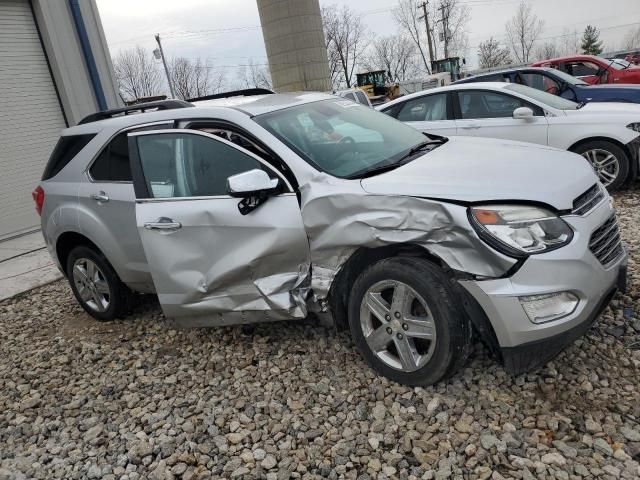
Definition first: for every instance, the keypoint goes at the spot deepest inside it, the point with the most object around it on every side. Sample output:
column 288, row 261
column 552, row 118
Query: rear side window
column 66, row 149
column 112, row 165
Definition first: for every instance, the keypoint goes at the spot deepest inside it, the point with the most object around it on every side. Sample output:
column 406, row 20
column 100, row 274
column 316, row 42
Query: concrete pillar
column 294, row 39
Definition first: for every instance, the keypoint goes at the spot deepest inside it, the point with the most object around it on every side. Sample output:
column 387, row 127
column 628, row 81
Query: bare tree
column 492, row 54
column 396, row 54
column 547, row 51
column 523, row 30
column 407, row 17
column 568, row 43
column 254, row 75
column 328, row 24
column 193, row 79
column 455, row 15
column 631, row 39
column 345, row 34
column 137, row 74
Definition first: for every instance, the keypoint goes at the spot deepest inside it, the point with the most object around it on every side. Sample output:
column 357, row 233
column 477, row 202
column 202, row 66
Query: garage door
column 30, row 116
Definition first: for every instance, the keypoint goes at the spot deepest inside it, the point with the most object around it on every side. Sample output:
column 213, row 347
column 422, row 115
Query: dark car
column 562, row 84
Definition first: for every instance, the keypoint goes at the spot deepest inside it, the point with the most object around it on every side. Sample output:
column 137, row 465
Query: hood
column 469, row 169
column 608, row 108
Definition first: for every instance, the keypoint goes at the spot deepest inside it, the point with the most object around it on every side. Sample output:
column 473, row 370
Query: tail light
column 38, row 197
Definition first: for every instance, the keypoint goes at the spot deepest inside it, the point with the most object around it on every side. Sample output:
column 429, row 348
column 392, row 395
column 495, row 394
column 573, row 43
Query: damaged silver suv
column 270, row 207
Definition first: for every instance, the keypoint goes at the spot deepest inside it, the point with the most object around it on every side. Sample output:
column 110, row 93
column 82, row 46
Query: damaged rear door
column 210, row 263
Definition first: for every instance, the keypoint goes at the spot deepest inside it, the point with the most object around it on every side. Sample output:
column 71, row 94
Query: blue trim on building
column 88, row 54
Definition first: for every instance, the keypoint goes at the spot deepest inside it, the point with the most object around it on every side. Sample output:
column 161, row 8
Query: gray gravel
column 136, row 399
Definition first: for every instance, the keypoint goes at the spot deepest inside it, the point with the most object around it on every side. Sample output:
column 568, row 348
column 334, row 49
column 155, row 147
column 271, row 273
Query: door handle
column 100, row 197
column 472, row 126
column 163, row 223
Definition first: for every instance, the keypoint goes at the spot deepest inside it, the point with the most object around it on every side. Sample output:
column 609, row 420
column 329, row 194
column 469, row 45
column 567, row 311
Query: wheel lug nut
column 399, row 335
column 397, row 314
column 389, row 331
column 387, row 317
column 405, row 326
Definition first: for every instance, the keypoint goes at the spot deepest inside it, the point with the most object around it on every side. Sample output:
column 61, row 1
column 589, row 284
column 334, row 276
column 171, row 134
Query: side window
column 541, row 82
column 112, row 165
column 583, row 69
column 190, row 165
column 424, row 109
column 362, row 98
column 66, row 149
column 479, row 104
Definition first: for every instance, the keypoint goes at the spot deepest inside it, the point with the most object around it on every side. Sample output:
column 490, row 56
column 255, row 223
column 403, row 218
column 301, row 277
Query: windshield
column 565, row 77
column 619, row 64
column 543, row 97
column 341, row 137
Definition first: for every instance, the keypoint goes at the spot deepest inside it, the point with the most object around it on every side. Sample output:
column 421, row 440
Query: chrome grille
column 587, row 200
column 605, row 242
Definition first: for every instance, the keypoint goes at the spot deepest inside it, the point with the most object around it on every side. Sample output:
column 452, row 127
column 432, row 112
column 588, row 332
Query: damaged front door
column 210, row 263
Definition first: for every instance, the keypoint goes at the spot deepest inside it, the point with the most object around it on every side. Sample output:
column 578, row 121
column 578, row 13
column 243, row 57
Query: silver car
column 271, row 207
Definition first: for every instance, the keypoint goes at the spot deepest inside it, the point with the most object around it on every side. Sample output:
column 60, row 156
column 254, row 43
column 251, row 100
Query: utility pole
column 164, row 62
column 445, row 26
column 426, row 23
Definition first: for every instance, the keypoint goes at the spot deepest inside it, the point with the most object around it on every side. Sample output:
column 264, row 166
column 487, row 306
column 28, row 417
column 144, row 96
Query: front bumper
column 525, row 345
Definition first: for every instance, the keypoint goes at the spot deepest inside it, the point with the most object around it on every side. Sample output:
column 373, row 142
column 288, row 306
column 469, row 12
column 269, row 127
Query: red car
column 593, row 69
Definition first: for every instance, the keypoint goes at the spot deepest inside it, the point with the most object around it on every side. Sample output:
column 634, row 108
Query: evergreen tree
column 591, row 43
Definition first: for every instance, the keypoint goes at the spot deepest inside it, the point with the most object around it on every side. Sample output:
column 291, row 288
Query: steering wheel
column 348, row 140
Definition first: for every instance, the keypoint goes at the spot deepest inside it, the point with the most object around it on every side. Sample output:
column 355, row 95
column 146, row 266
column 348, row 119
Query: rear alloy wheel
column 405, row 321
column 91, row 284
column 96, row 284
column 609, row 161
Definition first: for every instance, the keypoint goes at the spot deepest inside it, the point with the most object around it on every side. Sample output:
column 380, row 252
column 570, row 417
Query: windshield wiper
column 580, row 105
column 406, row 158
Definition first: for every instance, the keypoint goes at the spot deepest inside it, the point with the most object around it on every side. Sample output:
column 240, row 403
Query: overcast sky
column 226, row 32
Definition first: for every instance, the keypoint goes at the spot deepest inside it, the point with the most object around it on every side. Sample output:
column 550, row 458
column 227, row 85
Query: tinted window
column 362, row 98
column 112, row 165
column 478, row 104
column 541, row 82
column 184, row 165
column 66, row 149
column 424, row 109
column 582, row 69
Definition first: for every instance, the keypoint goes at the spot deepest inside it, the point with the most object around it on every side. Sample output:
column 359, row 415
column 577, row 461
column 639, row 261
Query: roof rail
column 139, row 108
column 247, row 92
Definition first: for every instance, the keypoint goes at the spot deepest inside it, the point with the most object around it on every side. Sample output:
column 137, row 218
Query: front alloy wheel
column 605, row 164
column 609, row 160
column 398, row 325
column 406, row 320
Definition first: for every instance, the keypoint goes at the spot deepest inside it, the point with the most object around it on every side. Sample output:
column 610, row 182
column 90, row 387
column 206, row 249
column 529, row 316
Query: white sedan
column 606, row 134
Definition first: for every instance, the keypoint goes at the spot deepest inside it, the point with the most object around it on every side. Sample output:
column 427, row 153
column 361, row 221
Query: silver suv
column 270, row 207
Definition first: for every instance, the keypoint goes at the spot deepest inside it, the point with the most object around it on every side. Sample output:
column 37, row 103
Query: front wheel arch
column 633, row 161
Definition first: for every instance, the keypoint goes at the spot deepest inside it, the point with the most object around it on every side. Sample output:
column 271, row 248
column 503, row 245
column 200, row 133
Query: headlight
column 520, row 230
column 634, row 126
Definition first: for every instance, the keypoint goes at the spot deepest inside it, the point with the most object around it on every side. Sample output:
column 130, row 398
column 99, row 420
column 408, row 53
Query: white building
column 54, row 69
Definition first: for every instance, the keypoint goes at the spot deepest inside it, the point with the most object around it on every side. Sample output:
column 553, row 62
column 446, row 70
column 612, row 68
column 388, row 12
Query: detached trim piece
column 139, row 108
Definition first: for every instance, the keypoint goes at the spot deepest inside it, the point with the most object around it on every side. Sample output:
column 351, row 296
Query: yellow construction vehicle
column 374, row 84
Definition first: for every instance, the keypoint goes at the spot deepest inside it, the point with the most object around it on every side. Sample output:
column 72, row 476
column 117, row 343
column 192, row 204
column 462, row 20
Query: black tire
column 619, row 153
column 453, row 329
column 120, row 296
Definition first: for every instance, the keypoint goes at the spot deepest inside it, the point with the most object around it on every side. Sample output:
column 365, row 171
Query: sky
column 226, row 33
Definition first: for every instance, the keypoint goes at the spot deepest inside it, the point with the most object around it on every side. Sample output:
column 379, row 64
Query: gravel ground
column 136, row 399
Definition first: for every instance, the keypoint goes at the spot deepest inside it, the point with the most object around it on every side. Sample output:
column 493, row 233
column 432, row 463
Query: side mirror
column 523, row 113
column 251, row 184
